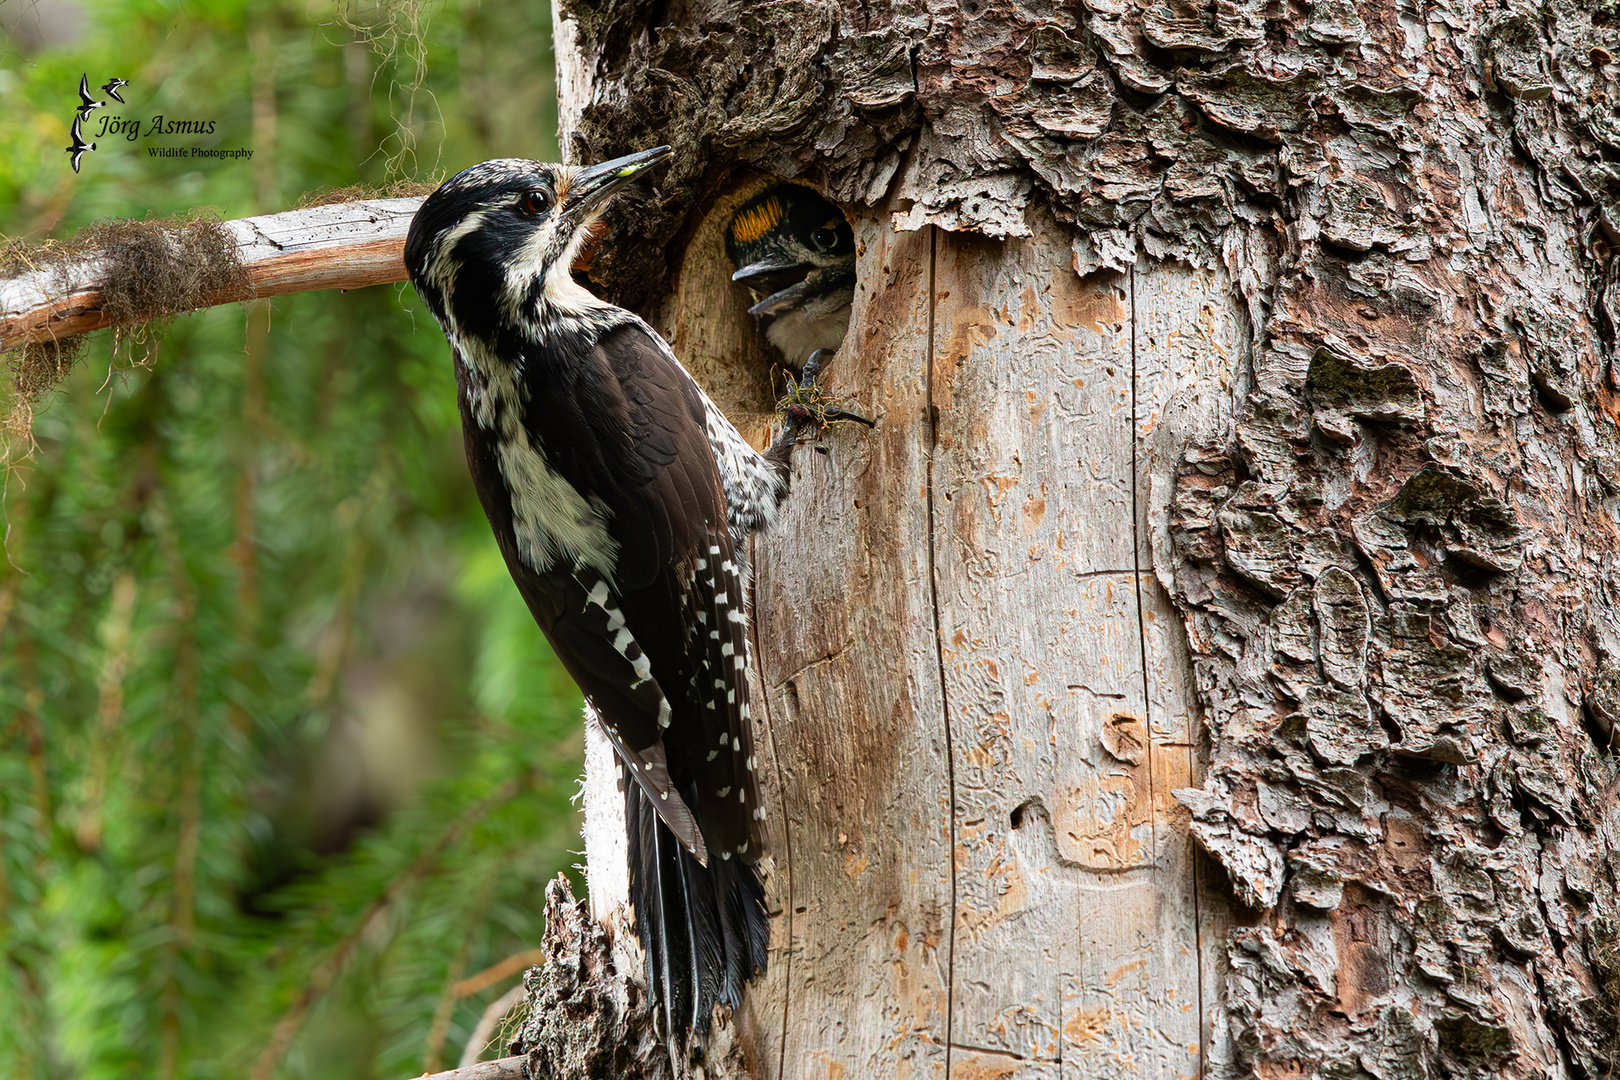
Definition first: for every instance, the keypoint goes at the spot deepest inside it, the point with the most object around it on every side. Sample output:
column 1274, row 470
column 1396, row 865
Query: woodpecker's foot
column 805, row 407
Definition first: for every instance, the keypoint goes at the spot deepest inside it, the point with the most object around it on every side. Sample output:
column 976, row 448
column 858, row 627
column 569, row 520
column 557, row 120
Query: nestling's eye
column 535, row 202
column 825, row 238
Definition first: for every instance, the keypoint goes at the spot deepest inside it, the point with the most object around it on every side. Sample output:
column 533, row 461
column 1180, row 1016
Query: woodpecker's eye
column 825, row 238
column 535, row 202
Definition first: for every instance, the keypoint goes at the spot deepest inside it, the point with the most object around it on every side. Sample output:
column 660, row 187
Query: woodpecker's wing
column 591, row 639
column 676, row 580
column 580, row 616
column 680, row 590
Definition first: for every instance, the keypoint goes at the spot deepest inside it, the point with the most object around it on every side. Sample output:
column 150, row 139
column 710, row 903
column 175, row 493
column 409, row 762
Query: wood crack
column 817, row 662
column 939, row 637
column 786, row 954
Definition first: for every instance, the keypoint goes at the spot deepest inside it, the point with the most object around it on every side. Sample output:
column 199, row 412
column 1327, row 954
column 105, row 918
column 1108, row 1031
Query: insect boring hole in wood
column 791, row 270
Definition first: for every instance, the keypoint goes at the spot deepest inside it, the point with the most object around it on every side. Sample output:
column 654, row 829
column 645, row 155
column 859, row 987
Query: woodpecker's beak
column 802, row 282
column 592, row 187
column 772, row 275
column 784, row 300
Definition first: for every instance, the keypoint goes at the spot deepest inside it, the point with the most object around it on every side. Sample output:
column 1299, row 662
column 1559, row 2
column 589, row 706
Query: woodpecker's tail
column 704, row 930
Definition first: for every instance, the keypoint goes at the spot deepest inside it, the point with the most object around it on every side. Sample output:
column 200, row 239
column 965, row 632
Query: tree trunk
column 1208, row 666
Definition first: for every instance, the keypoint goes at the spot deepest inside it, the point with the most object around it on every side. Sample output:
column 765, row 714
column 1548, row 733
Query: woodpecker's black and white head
column 796, row 253
column 491, row 250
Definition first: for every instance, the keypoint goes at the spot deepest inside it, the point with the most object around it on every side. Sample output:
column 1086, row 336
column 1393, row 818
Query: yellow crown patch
column 754, row 223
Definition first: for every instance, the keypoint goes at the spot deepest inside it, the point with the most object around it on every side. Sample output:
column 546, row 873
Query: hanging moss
column 149, row 272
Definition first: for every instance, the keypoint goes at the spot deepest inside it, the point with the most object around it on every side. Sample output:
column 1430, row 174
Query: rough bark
column 1287, row 369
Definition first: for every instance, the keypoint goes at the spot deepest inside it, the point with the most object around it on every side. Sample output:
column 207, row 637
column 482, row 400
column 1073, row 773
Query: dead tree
column 1210, row 665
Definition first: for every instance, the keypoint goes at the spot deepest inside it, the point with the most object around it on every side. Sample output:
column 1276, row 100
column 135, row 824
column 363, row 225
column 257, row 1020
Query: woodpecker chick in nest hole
column 796, row 254
column 621, row 498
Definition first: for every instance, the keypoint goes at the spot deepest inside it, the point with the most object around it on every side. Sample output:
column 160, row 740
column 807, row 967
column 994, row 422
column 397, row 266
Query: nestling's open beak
column 772, row 274
column 792, row 285
column 592, row 187
column 783, row 300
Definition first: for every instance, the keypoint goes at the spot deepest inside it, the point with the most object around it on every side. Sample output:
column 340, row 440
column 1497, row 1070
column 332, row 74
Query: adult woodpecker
column 796, row 253
column 618, row 494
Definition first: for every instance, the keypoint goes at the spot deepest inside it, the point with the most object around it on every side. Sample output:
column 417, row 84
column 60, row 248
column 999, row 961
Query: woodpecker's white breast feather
column 555, row 525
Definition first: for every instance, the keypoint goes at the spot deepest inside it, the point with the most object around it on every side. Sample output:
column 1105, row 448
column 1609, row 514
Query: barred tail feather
column 704, row 930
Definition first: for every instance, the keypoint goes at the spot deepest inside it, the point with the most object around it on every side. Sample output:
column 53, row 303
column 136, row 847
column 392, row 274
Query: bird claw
column 804, row 406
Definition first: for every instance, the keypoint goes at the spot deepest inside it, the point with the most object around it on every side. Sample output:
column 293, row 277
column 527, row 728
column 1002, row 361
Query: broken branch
column 340, row 246
column 510, row 1068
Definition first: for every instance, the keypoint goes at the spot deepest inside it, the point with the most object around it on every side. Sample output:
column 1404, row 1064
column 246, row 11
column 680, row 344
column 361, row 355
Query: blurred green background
column 283, row 760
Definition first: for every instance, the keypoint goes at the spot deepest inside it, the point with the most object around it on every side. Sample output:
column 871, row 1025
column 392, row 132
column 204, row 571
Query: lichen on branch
column 149, row 271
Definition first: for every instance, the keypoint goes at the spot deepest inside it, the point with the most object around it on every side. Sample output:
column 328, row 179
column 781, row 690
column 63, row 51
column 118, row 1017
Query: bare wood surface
column 850, row 662
column 341, row 246
column 976, row 695
column 1080, row 946
column 508, row 1068
column 1032, row 383
column 1187, row 344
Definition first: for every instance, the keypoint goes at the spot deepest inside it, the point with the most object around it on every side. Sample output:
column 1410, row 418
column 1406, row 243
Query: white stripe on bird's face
column 541, row 248
column 547, row 256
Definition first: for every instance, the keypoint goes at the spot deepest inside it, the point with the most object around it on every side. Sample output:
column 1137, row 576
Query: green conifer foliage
column 282, row 757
